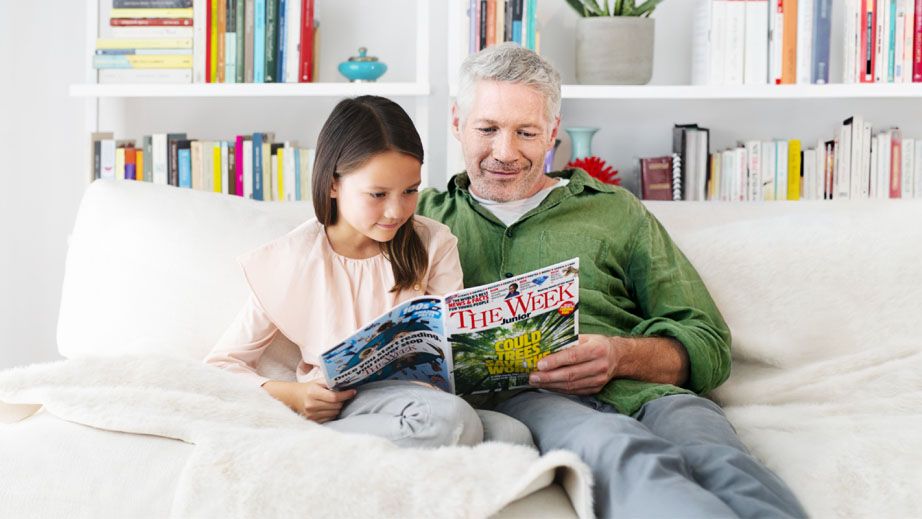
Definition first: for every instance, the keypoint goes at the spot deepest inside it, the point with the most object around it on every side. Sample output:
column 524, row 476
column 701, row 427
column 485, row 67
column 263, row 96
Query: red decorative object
column 597, row 168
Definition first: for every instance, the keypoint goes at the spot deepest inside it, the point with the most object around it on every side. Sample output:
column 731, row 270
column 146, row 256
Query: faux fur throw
column 253, row 457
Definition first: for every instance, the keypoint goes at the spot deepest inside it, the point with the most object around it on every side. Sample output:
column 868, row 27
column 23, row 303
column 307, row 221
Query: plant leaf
column 594, row 7
column 578, row 6
column 645, row 9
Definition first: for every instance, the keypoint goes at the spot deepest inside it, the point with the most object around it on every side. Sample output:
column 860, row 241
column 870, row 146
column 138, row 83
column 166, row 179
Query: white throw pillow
column 152, row 269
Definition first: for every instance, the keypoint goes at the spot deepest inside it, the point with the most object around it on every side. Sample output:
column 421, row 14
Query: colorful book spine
column 794, row 170
column 917, row 44
column 258, row 167
column 259, row 42
column 143, row 43
column 822, row 32
column 151, row 13
column 184, row 160
column 151, row 4
column 168, row 61
column 238, row 165
column 239, row 44
column 306, row 51
column 789, row 44
column 212, row 41
column 271, row 45
column 282, row 43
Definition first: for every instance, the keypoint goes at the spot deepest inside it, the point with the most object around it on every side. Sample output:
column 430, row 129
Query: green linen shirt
column 634, row 281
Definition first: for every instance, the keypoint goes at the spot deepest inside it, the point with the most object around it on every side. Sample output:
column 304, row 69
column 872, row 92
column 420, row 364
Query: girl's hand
column 312, row 400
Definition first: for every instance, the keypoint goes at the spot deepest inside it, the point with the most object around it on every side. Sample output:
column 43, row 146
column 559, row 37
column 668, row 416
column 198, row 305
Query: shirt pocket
column 557, row 246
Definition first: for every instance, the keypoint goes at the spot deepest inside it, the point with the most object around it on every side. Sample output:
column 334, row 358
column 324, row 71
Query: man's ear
column 554, row 131
column 456, row 121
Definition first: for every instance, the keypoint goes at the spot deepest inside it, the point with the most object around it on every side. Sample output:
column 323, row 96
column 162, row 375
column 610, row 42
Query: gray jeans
column 678, row 457
column 410, row 415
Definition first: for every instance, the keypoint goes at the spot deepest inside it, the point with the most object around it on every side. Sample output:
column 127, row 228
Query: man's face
column 504, row 138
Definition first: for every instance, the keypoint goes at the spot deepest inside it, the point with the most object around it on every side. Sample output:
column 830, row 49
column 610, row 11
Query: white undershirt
column 510, row 212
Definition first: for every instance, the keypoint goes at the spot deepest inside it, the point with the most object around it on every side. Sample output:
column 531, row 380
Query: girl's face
column 373, row 201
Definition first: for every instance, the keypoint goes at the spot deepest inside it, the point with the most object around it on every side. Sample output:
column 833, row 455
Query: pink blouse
column 301, row 288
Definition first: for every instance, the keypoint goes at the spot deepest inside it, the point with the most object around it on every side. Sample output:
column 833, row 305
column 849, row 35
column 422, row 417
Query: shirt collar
column 579, row 181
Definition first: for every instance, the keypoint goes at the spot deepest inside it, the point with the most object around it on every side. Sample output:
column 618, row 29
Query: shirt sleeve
column 244, row 342
column 676, row 304
column 445, row 273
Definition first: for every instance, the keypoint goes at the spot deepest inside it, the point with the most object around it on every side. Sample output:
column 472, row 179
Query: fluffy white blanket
column 255, row 458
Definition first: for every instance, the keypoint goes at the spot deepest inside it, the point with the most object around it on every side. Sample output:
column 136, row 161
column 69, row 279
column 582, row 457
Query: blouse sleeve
column 244, row 342
column 445, row 273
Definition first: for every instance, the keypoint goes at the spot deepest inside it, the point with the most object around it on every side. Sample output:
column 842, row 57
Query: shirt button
column 509, row 233
column 509, row 274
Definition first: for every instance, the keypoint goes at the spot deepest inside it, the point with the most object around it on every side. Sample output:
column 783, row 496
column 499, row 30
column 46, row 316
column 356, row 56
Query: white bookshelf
column 107, row 105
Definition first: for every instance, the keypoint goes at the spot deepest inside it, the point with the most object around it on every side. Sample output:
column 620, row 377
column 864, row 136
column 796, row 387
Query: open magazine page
column 499, row 332
column 406, row 343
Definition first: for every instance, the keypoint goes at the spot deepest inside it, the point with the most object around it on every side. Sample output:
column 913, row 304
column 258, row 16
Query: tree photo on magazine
column 477, row 340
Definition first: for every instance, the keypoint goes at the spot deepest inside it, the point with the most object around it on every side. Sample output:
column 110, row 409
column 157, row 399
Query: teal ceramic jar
column 362, row 68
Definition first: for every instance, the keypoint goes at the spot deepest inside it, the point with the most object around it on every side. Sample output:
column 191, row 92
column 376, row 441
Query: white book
column 248, row 170
column 865, row 186
column 756, row 58
column 804, row 40
column 851, row 41
column 886, row 142
column 197, row 151
column 775, row 42
column 702, row 168
column 159, row 159
column 917, row 175
column 820, row 170
column 199, row 25
column 691, row 164
column 874, row 183
column 718, row 48
column 908, row 167
column 223, row 186
column 735, row 64
column 882, row 15
column 741, row 161
column 726, row 176
column 908, row 35
column 844, row 163
column 292, row 39
column 153, row 32
column 702, row 42
column 854, row 173
column 206, row 183
column 768, row 170
column 107, row 159
column 781, row 170
column 754, row 170
column 230, row 57
column 288, row 165
column 809, row 164
column 147, row 76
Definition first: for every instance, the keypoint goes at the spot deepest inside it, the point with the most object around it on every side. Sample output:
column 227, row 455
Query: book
column 656, row 178
column 477, row 340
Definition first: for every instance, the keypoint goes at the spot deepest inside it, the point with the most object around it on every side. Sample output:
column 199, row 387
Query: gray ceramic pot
column 614, row 50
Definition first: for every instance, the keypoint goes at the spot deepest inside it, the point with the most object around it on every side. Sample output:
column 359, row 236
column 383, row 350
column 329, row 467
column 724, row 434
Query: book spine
column 240, row 41
column 184, row 158
column 482, row 25
column 735, row 44
column 198, row 166
column 151, row 4
column 507, row 19
column 880, row 40
column 789, row 50
column 896, row 163
column 702, row 42
column 147, row 146
column 892, row 37
column 167, row 61
column 238, row 164
column 777, row 42
column 152, row 22
column 228, row 183
column 213, row 41
column 271, row 45
column 821, row 42
column 517, row 10
column 756, row 54
column 258, row 167
column 259, row 42
column 296, row 160
column 532, row 22
column 490, row 21
column 917, row 44
column 217, row 166
column 292, row 35
column 222, row 41
column 282, row 44
column 144, row 43
column 804, row 40
column 151, row 13
column 306, row 52
column 906, row 167
column 200, row 73
column 131, row 164
column 230, row 43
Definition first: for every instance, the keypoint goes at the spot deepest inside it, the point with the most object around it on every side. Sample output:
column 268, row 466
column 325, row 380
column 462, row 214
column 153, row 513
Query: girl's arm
column 244, row 342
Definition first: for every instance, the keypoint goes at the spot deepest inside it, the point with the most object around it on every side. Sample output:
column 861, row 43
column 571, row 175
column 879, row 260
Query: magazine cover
column 477, row 340
column 407, row 343
column 499, row 332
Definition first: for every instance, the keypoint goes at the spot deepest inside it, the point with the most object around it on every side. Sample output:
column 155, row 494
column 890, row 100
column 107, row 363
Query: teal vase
column 580, row 142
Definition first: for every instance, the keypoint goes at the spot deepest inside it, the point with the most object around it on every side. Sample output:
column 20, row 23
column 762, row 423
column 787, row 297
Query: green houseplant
column 614, row 41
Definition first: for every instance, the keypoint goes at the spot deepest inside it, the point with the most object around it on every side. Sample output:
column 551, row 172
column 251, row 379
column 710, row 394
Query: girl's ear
column 334, row 188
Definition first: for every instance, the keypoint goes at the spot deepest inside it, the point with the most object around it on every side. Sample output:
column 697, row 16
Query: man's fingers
column 570, row 373
column 567, row 357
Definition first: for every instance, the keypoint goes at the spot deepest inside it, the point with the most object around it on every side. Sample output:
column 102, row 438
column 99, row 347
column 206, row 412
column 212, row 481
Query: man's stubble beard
column 525, row 184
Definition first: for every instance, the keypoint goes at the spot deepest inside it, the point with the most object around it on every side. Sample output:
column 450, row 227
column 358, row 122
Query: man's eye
column 486, row 130
column 528, row 135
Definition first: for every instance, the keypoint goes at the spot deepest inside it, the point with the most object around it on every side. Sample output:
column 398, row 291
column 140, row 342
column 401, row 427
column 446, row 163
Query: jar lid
column 363, row 56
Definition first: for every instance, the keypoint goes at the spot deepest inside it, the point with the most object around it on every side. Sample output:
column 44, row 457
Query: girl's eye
column 411, row 191
column 378, row 195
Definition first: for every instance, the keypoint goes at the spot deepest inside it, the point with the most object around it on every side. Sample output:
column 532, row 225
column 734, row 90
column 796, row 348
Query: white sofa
column 821, row 297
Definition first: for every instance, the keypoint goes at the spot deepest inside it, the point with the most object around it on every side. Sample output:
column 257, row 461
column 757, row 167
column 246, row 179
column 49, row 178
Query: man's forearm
column 652, row 359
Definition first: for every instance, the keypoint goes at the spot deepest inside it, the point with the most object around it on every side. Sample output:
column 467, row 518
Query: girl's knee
column 440, row 419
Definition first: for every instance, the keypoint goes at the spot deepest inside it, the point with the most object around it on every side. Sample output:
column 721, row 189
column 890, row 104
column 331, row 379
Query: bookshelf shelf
column 758, row 92
column 337, row 90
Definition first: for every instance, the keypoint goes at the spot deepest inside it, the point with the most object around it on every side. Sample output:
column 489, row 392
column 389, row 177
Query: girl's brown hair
column 357, row 130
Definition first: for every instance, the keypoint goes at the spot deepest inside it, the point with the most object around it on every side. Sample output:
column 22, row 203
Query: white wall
column 41, row 139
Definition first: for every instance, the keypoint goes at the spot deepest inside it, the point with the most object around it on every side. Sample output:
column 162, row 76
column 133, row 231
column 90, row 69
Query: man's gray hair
column 514, row 64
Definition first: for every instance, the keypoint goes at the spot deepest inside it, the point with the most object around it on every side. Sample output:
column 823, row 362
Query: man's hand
column 312, row 400
column 585, row 368
column 582, row 369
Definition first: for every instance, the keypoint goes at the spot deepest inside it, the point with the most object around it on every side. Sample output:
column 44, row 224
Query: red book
column 207, row 41
column 306, row 54
column 238, row 165
column 656, row 178
column 917, row 45
column 896, row 165
column 150, row 22
column 866, row 54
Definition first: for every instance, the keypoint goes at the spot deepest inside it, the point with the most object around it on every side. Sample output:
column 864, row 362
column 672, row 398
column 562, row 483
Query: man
column 625, row 397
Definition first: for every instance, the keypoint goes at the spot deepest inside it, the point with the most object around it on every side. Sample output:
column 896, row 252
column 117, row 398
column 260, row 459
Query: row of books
column 208, row 41
column 497, row 21
column 857, row 163
column 251, row 166
column 757, row 42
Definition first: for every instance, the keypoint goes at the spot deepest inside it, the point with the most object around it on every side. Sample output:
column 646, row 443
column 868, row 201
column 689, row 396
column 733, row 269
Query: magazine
column 477, row 340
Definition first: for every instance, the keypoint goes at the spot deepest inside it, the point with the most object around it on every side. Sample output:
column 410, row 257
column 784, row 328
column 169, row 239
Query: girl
column 364, row 253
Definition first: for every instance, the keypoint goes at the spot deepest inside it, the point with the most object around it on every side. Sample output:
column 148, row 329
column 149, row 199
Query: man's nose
column 504, row 147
